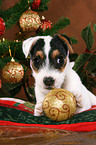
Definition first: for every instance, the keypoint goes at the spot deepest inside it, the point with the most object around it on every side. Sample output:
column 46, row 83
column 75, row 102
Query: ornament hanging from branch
column 2, row 26
column 29, row 21
column 13, row 71
column 45, row 24
column 36, row 4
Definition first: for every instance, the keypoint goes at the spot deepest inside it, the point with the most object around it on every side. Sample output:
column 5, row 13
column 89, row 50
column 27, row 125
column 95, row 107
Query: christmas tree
column 26, row 14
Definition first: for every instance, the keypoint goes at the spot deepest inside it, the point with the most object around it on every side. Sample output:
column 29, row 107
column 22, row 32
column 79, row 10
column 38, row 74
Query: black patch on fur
column 37, row 60
column 58, row 44
column 37, row 47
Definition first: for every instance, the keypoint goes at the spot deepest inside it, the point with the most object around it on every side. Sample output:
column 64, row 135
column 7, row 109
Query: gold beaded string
column 12, row 59
column 10, row 52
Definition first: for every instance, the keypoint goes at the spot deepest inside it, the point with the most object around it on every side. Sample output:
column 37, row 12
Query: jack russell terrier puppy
column 49, row 61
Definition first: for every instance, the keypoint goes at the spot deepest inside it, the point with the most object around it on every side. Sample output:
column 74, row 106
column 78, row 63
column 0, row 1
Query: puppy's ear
column 67, row 41
column 27, row 45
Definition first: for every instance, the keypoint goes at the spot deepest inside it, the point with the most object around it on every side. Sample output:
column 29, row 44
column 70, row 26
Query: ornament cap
column 3, row 39
column 43, row 18
column 29, row 8
column 12, row 60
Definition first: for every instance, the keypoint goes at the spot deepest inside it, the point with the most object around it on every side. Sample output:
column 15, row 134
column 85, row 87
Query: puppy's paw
column 83, row 103
column 38, row 111
column 80, row 102
column 79, row 110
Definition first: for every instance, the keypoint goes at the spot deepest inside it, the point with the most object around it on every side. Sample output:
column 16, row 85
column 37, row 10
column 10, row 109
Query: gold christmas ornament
column 59, row 105
column 13, row 72
column 29, row 21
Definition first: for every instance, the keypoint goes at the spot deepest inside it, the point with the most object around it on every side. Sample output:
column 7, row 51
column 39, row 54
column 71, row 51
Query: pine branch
column 16, row 50
column 4, row 61
column 62, row 23
column 15, row 9
column 12, row 15
column 43, row 6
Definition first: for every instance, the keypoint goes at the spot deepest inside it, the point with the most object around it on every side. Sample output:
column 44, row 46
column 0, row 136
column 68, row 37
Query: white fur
column 68, row 79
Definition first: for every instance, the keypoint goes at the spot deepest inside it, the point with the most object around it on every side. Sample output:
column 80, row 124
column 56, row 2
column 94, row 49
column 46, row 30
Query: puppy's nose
column 48, row 81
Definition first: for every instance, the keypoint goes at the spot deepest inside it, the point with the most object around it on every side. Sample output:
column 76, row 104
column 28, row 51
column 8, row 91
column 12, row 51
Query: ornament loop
column 10, row 51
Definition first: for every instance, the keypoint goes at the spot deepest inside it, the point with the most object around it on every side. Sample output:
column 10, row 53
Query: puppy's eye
column 37, row 62
column 60, row 60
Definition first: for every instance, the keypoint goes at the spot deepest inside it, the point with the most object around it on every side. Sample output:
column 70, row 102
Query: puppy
column 49, row 61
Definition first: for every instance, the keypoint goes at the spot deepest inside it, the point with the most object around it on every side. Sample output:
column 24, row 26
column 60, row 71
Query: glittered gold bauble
column 13, row 72
column 29, row 21
column 59, row 105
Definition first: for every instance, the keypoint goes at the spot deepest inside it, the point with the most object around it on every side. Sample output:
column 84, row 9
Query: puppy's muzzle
column 48, row 81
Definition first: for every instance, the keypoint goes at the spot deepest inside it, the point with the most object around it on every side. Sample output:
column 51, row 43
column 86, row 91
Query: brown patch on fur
column 40, row 53
column 55, row 53
column 62, row 69
column 68, row 44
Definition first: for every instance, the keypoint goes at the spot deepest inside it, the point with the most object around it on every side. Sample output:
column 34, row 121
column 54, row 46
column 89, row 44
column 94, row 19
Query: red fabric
column 79, row 127
column 11, row 104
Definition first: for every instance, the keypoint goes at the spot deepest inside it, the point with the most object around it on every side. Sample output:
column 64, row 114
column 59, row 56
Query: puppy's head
column 48, row 59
